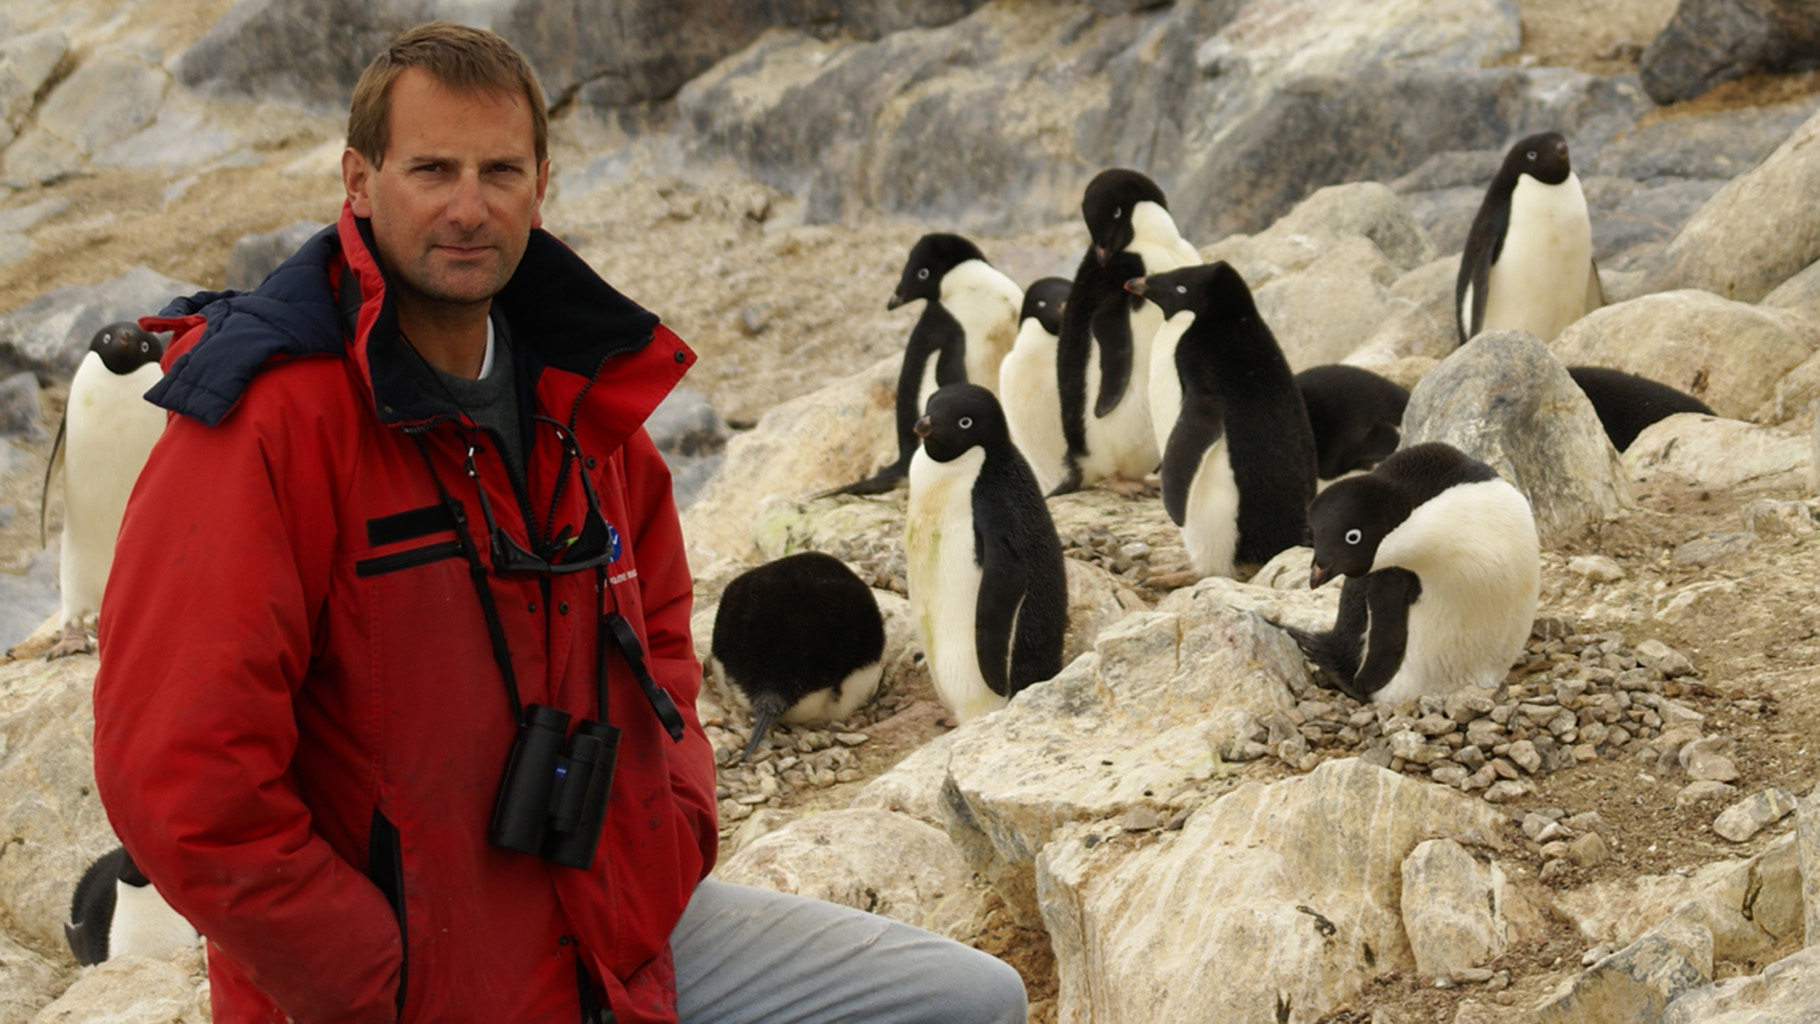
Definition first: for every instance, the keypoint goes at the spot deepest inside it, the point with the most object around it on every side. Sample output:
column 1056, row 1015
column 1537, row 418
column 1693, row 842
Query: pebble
column 1588, row 850
column 1698, row 792
column 1749, row 816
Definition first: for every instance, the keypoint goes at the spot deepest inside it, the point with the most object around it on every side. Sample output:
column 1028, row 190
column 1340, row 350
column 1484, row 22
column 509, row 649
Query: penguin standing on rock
column 1357, row 416
column 1239, row 459
column 969, row 321
column 988, row 588
column 1528, row 262
column 1103, row 357
column 1033, row 411
column 1442, row 574
column 116, row 912
column 107, row 432
column 802, row 639
column 1626, row 403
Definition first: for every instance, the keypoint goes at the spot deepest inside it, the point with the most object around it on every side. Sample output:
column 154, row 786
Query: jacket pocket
column 385, row 866
column 410, row 558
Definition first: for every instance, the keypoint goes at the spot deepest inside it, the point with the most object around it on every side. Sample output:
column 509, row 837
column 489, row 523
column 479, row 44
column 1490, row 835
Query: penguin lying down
column 116, row 912
column 1442, row 572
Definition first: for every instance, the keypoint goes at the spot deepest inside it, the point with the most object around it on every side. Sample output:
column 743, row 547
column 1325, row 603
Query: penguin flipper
column 1484, row 242
column 1388, row 595
column 77, row 936
column 52, row 467
column 1003, row 583
column 884, row 480
column 1336, row 652
column 1595, row 289
column 1201, row 424
column 1112, row 332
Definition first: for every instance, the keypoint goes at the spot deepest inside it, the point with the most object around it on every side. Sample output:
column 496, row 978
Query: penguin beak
column 895, row 301
column 923, row 427
column 1318, row 575
column 1103, row 254
column 1136, row 285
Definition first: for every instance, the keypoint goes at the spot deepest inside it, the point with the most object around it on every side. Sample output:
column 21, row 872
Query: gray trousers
column 748, row 956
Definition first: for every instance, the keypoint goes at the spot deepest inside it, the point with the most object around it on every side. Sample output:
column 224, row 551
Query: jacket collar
column 332, row 298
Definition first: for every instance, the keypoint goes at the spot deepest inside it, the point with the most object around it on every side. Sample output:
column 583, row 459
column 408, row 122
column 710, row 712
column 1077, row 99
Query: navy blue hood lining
column 558, row 309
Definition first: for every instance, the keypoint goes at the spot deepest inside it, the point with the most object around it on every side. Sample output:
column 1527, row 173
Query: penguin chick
column 1239, row 459
column 1357, row 416
column 107, row 432
column 1528, row 262
column 802, row 639
column 988, row 588
column 115, row 912
column 1626, row 403
column 1442, row 574
column 1033, row 411
column 968, row 324
column 1103, row 356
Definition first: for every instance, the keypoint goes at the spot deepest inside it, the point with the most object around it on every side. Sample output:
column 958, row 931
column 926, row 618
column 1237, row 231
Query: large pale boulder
column 1320, row 314
column 913, row 786
column 1502, row 399
column 1275, row 902
column 886, row 863
column 29, row 980
column 1785, row 993
column 1453, row 908
column 1298, row 239
column 110, row 96
column 1421, row 321
column 1800, row 293
column 136, row 990
column 1727, row 354
column 1758, row 232
column 1149, row 719
column 26, row 64
column 1719, row 453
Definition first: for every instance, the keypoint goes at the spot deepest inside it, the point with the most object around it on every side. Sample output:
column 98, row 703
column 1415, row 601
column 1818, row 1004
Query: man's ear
column 356, row 174
column 543, row 183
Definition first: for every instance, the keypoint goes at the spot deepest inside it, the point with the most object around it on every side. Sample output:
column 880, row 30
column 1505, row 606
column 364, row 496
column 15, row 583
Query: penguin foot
column 948, row 721
column 75, row 640
column 1133, row 489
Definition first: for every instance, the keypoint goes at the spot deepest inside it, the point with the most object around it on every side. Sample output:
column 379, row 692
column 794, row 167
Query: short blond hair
column 464, row 59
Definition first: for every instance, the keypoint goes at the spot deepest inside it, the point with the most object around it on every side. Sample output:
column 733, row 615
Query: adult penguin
column 1442, row 574
column 1239, row 459
column 1528, row 262
column 987, row 585
column 969, row 321
column 1033, row 411
column 1103, row 355
column 102, row 443
column 801, row 639
column 1626, row 403
column 115, row 911
column 1357, row 416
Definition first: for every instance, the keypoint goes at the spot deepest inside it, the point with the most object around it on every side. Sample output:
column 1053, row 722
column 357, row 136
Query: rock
column 136, row 990
column 28, row 599
column 1747, row 817
column 1714, row 147
column 1331, row 216
column 20, row 415
column 1321, row 314
column 1148, row 717
column 1588, row 851
column 1785, row 993
column 1452, row 909
column 255, row 256
column 1768, row 518
column 1714, row 41
column 108, row 97
column 1279, row 895
column 1758, row 232
column 1596, row 569
column 51, row 333
column 693, row 439
column 1727, row 354
column 913, row 786
column 1800, row 293
column 1710, row 550
column 1637, row 982
column 1807, row 836
column 1656, row 654
column 889, row 864
column 1703, row 760
column 29, row 980
column 1700, row 792
column 1503, row 400
column 26, row 63
column 1420, row 325
column 1727, row 455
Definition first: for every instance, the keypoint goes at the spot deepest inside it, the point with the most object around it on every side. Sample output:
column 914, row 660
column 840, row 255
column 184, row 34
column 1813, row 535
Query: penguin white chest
column 1538, row 283
column 985, row 303
column 944, row 579
column 1165, row 379
column 1124, row 441
column 1210, row 529
column 145, row 925
column 109, row 430
column 1033, row 407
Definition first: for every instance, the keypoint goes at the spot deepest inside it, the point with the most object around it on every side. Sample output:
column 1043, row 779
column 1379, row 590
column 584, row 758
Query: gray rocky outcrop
column 1713, row 41
column 1151, row 927
column 1807, row 849
column 1718, row 453
column 693, row 439
column 26, row 63
column 255, row 256
column 1502, row 399
column 1785, row 993
column 1757, row 232
column 1728, row 354
column 50, row 334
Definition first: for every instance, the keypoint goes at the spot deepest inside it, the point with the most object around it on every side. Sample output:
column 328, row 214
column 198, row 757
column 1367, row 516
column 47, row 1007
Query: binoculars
column 552, row 798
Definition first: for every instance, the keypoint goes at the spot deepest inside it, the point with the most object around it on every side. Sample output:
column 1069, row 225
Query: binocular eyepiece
column 552, row 798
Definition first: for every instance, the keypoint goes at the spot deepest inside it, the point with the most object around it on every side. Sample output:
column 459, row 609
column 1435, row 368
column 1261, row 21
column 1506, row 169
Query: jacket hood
column 332, row 299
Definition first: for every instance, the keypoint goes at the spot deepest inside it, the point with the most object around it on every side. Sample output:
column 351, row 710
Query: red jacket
column 299, row 723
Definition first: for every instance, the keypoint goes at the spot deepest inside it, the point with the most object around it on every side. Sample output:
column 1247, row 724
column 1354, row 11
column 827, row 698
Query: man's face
column 458, row 193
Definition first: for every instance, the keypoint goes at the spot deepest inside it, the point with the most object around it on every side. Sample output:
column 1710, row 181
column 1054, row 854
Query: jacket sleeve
column 667, row 592
column 218, row 582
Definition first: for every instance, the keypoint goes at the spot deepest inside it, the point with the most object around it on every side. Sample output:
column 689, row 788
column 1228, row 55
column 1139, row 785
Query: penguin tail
column 77, row 936
column 881, row 482
column 51, row 466
column 766, row 709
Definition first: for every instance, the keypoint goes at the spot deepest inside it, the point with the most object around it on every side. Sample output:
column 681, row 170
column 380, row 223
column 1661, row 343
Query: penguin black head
column 1542, row 157
column 1107, row 207
column 931, row 258
column 123, row 347
column 1200, row 289
column 1348, row 521
column 1044, row 301
column 960, row 417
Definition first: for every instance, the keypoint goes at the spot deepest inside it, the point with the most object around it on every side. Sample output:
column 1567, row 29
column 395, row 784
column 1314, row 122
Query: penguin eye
column 1117, row 212
column 922, row 274
column 143, row 347
column 966, row 423
column 1353, row 536
column 1181, row 289
column 1531, row 154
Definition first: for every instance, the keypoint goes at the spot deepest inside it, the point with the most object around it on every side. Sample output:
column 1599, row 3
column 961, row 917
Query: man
column 407, row 479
